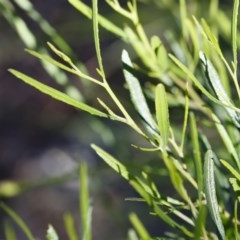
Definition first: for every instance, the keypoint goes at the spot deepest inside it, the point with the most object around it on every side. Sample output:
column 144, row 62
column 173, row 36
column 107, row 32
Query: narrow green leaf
column 57, row 94
column 235, row 184
column 47, row 58
column 210, row 36
column 194, row 79
column 19, row 25
column 85, row 208
column 45, row 26
column 185, row 120
column 210, row 191
column 143, row 189
column 69, row 226
column 162, row 214
column 96, row 36
column 234, row 32
column 236, row 187
column 136, row 92
column 51, row 233
column 215, row 82
column 234, row 172
column 87, row 11
column 162, row 115
column 9, row 231
column 132, row 235
column 183, row 17
column 139, row 227
column 18, row 221
column 200, row 232
column 196, row 154
column 112, row 162
column 177, row 180
column 236, row 221
column 226, row 139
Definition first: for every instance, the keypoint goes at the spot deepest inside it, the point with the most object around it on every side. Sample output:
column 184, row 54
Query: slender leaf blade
column 104, row 22
column 136, row 92
column 18, row 221
column 139, row 227
column 96, row 37
column 234, row 32
column 9, row 231
column 69, row 226
column 86, row 209
column 226, row 139
column 215, row 82
column 51, row 233
column 196, row 154
column 62, row 97
column 112, row 162
column 210, row 191
column 162, row 115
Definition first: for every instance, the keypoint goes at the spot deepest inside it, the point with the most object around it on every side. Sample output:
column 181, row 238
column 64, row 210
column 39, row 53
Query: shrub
column 185, row 71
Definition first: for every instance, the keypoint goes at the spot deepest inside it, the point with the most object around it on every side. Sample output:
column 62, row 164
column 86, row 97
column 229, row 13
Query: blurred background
column 42, row 141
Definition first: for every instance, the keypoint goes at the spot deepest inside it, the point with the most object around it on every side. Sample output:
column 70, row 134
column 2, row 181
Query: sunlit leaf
column 56, row 94
column 136, row 92
column 234, row 172
column 161, row 108
column 51, row 233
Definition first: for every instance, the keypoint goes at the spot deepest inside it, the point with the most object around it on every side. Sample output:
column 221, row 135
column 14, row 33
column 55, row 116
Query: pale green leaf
column 210, row 191
column 51, row 233
column 139, row 227
column 85, row 208
column 215, row 82
column 18, row 221
column 226, row 139
column 235, row 184
column 112, row 162
column 136, row 92
column 143, row 189
column 57, row 94
column 9, row 231
column 69, row 226
column 96, row 35
column 87, row 11
column 196, row 154
column 234, row 172
column 162, row 115
column 47, row 58
column 234, row 32
column 190, row 75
